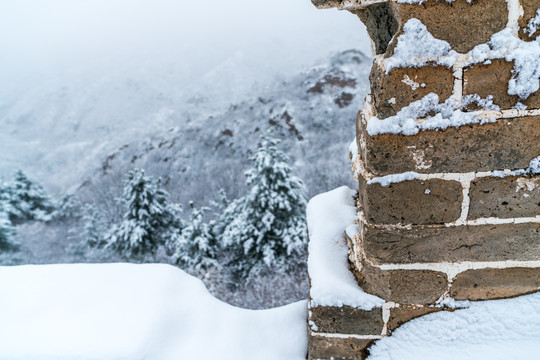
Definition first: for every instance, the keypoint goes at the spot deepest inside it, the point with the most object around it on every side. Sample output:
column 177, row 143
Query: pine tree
column 197, row 248
column 268, row 224
column 146, row 219
column 94, row 227
column 7, row 231
column 26, row 200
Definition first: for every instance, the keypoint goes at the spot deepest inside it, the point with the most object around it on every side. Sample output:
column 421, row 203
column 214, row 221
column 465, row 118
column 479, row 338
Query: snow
column 533, row 169
column 417, row 47
column 386, row 181
column 525, row 55
column 126, row 311
column 329, row 215
column 405, row 121
column 487, row 330
column 533, row 24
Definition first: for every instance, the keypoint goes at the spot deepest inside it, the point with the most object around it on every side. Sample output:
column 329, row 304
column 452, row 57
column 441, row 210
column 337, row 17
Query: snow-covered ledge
column 332, row 283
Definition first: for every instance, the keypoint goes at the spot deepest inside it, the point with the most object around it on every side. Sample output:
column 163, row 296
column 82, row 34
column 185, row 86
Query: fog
column 45, row 38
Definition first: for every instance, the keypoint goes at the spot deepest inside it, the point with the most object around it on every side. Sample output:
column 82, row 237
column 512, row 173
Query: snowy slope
column 80, row 79
column 121, row 311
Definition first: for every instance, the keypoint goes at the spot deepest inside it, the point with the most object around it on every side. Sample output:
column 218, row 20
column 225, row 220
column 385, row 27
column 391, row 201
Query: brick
column 462, row 24
column 432, row 201
column 402, row 86
column 320, row 347
column 428, row 244
column 347, row 320
column 487, row 284
column 381, row 24
column 490, row 79
column 403, row 313
column 404, row 286
column 508, row 197
column 529, row 11
column 504, row 144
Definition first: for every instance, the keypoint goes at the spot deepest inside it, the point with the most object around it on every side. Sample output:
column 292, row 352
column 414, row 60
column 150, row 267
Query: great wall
column 447, row 158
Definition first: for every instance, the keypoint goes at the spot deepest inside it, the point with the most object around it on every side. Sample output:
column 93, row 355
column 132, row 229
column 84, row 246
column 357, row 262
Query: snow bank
column 126, row 311
column 487, row 330
column 329, row 215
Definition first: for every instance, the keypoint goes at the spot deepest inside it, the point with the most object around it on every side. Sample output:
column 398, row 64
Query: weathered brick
column 529, row 11
column 508, row 197
column 403, row 313
column 320, row 347
column 347, row 320
column 504, row 144
column 487, row 284
column 490, row 79
column 401, row 86
column 432, row 201
column 404, row 286
column 461, row 23
column 428, row 244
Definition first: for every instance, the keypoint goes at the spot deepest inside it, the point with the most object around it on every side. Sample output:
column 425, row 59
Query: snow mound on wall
column 487, row 330
column 329, row 215
column 126, row 311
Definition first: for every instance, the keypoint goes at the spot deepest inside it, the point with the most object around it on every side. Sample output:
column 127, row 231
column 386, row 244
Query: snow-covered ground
column 486, row 330
column 123, row 311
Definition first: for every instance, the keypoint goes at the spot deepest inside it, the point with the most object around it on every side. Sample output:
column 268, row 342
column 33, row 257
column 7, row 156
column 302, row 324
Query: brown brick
column 490, row 79
column 529, row 11
column 320, row 347
column 462, row 24
column 432, row 201
column 404, row 286
column 403, row 313
column 508, row 197
column 504, row 144
column 487, row 284
column 347, row 320
column 401, row 86
column 427, row 244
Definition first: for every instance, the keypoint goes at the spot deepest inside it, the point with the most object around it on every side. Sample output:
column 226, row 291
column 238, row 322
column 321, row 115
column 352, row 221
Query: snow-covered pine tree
column 26, row 200
column 268, row 224
column 146, row 219
column 95, row 227
column 7, row 231
column 197, row 247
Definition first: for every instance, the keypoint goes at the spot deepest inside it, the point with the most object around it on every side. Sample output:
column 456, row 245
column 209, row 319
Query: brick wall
column 450, row 212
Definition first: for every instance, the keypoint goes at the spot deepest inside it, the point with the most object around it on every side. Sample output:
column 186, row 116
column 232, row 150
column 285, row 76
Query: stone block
column 487, row 284
column 490, row 78
column 402, row 86
column 508, row 197
column 337, row 348
column 432, row 201
column 404, row 286
column 463, row 24
column 347, row 320
column 429, row 244
column 403, row 313
column 530, row 7
column 504, row 144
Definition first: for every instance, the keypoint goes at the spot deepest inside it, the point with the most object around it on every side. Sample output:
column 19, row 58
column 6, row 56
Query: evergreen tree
column 147, row 218
column 7, row 232
column 95, row 227
column 197, row 248
column 26, row 200
column 268, row 224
